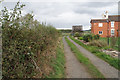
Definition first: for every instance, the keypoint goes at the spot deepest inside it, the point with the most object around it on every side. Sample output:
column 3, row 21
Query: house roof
column 114, row 18
column 98, row 20
column 110, row 18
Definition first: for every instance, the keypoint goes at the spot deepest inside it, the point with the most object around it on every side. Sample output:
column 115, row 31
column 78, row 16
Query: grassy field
column 91, row 68
column 59, row 63
column 95, row 50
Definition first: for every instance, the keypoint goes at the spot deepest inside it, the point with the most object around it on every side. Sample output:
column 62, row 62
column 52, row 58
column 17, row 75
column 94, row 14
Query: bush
column 23, row 42
column 98, row 43
column 80, row 38
column 77, row 34
column 96, row 37
column 87, row 37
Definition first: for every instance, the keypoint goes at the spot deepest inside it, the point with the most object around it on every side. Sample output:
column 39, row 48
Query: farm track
column 107, row 70
column 74, row 69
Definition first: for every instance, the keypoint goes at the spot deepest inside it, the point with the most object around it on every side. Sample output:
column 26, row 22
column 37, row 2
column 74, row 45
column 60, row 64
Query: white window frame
column 114, row 32
column 112, row 23
column 100, row 24
column 100, row 34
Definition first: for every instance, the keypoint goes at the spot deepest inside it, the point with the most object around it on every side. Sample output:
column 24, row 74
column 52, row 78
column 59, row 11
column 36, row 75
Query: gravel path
column 107, row 70
column 74, row 69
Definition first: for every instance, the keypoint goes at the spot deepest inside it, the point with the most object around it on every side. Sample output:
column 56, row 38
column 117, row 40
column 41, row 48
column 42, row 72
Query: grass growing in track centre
column 91, row 68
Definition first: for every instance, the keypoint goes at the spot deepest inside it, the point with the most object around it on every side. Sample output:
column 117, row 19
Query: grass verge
column 59, row 63
column 91, row 68
column 95, row 50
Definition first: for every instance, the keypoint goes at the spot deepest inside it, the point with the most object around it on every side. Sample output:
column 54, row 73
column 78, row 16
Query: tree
column 77, row 34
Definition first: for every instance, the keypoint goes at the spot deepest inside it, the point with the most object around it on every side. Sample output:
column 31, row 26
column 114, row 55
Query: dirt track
column 74, row 69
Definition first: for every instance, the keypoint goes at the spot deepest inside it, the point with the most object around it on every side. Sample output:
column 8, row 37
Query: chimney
column 106, row 13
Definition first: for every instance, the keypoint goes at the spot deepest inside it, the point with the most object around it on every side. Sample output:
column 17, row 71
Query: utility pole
column 108, row 31
column 106, row 16
column 118, row 38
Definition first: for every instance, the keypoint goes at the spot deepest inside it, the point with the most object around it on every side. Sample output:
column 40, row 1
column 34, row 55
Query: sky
column 63, row 13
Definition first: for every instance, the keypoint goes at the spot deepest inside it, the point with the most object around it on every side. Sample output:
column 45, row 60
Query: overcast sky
column 65, row 14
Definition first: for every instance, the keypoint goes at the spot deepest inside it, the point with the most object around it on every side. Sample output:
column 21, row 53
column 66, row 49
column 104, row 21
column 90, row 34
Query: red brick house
column 106, row 27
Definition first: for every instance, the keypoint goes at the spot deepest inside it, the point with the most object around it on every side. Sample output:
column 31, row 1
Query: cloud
column 65, row 14
column 92, row 8
column 62, row 0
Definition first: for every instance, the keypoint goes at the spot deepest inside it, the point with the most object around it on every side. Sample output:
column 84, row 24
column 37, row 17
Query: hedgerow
column 23, row 42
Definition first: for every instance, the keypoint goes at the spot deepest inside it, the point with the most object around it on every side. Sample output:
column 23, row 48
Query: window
column 112, row 32
column 100, row 32
column 100, row 24
column 112, row 23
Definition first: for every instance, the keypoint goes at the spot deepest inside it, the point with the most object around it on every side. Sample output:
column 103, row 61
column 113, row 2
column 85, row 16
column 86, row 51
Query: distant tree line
column 65, row 31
